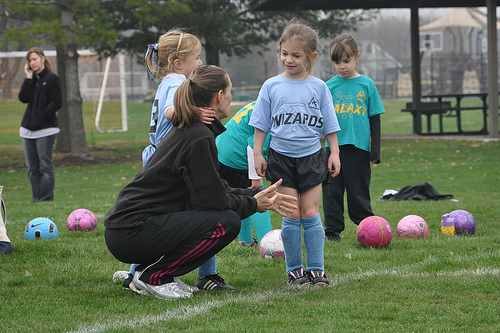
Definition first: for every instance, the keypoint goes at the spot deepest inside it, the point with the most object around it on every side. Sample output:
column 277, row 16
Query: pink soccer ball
column 412, row 226
column 465, row 223
column 271, row 245
column 374, row 231
column 81, row 219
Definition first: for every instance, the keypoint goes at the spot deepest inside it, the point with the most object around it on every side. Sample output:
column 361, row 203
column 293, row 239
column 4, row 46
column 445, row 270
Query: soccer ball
column 271, row 245
column 41, row 227
column 465, row 223
column 374, row 231
column 81, row 219
column 412, row 226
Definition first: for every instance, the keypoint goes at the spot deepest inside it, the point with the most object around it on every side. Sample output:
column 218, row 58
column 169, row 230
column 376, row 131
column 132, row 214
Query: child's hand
column 257, row 183
column 334, row 165
column 260, row 165
column 207, row 115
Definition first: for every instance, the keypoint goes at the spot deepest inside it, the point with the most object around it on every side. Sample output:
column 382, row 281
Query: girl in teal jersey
column 358, row 107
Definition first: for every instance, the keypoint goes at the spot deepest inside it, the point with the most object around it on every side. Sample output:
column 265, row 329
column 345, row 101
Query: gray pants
column 38, row 155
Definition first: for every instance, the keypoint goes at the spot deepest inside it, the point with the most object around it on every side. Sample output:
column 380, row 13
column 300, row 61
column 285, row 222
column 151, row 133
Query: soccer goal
column 96, row 85
column 123, row 93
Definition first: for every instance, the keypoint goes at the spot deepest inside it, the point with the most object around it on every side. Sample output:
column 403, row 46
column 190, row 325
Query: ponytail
column 196, row 92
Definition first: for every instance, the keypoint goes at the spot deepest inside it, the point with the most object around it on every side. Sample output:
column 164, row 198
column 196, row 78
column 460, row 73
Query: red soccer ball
column 374, row 231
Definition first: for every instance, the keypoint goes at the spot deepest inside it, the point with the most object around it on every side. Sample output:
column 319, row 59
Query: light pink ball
column 412, row 226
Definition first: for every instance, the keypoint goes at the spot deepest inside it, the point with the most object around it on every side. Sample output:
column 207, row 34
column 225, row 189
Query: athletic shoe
column 318, row 277
column 298, row 277
column 333, row 237
column 127, row 281
column 253, row 243
column 185, row 286
column 213, row 282
column 119, row 276
column 165, row 291
column 131, row 286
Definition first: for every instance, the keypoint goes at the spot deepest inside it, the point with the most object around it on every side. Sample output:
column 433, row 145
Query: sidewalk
column 483, row 138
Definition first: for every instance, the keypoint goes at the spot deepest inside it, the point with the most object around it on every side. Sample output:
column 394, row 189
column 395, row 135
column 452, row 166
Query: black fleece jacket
column 44, row 97
column 182, row 174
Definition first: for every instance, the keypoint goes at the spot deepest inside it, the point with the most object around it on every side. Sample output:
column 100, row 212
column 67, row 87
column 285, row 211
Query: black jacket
column 44, row 97
column 181, row 175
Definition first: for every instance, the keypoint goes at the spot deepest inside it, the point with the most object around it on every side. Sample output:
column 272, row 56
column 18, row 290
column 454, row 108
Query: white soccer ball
column 271, row 245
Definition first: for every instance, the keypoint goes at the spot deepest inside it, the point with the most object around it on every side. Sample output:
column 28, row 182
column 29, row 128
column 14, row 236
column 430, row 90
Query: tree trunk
column 63, row 144
column 72, row 127
column 211, row 48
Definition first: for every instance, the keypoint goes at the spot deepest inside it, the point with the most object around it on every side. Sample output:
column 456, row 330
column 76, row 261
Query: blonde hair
column 174, row 44
column 299, row 31
column 198, row 91
column 343, row 45
column 40, row 53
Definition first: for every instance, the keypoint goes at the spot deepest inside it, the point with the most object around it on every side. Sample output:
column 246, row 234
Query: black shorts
column 234, row 177
column 301, row 173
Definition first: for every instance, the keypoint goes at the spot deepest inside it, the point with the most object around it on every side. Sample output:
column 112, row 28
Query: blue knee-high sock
column 291, row 233
column 132, row 268
column 208, row 268
column 245, row 234
column 314, row 239
column 261, row 224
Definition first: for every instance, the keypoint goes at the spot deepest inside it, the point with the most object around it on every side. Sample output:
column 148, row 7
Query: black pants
column 173, row 244
column 354, row 178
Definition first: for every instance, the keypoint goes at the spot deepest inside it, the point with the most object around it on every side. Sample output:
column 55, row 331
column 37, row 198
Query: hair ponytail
column 196, row 92
column 174, row 44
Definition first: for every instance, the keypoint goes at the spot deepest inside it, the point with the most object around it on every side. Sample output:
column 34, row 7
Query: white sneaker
column 119, row 276
column 170, row 290
column 185, row 286
column 136, row 290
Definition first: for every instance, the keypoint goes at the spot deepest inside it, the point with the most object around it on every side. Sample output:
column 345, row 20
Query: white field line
column 193, row 310
column 407, row 270
column 176, row 314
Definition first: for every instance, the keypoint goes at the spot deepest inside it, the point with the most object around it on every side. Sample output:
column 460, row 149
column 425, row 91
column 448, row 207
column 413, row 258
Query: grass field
column 437, row 284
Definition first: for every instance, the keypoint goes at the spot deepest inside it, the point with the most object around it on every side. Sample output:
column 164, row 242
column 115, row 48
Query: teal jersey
column 232, row 144
column 355, row 101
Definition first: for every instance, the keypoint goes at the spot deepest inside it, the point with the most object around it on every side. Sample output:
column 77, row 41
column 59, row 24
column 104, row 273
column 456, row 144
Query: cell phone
column 29, row 68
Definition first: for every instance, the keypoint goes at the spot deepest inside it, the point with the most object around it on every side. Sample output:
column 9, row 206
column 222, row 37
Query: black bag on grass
column 422, row 191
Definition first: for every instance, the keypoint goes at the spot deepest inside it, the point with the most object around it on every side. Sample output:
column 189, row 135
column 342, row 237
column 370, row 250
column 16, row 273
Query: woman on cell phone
column 41, row 90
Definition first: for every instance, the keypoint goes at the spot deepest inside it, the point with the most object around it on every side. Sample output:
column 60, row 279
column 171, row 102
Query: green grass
column 437, row 284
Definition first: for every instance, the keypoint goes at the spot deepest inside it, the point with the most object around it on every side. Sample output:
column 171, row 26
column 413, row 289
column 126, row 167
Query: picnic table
column 447, row 106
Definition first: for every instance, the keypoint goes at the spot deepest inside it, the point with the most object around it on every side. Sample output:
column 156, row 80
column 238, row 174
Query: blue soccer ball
column 41, row 227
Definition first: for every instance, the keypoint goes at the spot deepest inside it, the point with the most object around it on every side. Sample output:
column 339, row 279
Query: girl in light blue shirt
column 296, row 108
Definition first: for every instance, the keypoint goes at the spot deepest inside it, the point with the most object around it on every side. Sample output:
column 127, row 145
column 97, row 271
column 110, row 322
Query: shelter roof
column 459, row 18
column 361, row 4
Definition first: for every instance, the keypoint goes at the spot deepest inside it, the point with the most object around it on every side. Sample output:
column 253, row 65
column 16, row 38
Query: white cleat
column 170, row 290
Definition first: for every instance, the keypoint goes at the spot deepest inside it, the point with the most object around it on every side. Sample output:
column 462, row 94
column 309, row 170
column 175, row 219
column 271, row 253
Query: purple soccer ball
column 465, row 223
column 81, row 219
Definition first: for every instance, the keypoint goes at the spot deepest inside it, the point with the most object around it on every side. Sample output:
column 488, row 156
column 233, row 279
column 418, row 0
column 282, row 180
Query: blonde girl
column 296, row 108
